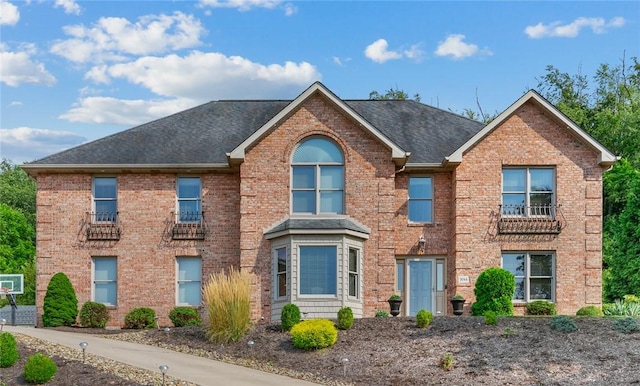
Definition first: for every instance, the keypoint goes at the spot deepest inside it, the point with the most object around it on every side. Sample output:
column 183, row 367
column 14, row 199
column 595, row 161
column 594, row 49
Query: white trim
column 238, row 154
column 605, row 157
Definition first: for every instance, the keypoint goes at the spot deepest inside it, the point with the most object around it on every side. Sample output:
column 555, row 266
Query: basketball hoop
column 3, row 292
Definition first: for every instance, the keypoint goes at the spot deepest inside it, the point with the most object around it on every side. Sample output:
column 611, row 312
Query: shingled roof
column 204, row 135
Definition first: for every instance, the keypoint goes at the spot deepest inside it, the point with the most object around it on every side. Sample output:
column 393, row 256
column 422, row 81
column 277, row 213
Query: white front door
column 421, row 280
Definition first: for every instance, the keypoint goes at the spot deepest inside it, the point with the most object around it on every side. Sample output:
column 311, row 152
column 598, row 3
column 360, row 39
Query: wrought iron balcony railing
column 189, row 226
column 102, row 226
column 522, row 219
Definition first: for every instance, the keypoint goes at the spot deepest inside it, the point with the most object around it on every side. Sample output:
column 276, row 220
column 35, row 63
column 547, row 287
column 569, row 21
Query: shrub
column 563, row 323
column 60, row 306
column 423, row 318
column 314, row 334
column 541, row 307
column 345, row 318
column 94, row 315
column 39, row 369
column 227, row 298
column 631, row 298
column 8, row 350
column 185, row 316
column 490, row 318
column 626, row 325
column 446, row 362
column 622, row 308
column 382, row 314
column 141, row 317
column 494, row 292
column 289, row 316
column 589, row 311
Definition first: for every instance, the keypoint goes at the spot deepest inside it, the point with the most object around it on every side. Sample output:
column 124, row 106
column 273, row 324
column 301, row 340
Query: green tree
column 17, row 237
column 60, row 306
column 391, row 94
column 18, row 190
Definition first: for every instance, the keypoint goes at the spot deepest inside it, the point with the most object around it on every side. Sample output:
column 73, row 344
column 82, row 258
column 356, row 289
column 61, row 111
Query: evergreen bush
column 39, row 369
column 589, row 311
column 345, row 318
column 60, row 307
column 423, row 318
column 314, row 334
column 289, row 316
column 94, row 315
column 141, row 317
column 563, row 323
column 185, row 316
column 626, row 325
column 490, row 318
column 8, row 350
column 541, row 307
column 494, row 292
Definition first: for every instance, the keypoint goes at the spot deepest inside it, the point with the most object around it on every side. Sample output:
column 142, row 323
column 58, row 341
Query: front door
column 421, row 286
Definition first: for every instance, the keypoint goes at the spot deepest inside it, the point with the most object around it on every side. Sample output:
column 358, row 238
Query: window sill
column 421, row 224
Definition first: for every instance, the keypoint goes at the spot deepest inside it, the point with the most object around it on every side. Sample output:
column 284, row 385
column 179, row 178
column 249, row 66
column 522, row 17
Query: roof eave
column 35, row 169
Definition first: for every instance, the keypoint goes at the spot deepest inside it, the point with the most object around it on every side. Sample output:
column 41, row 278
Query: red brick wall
column 146, row 261
column 530, row 138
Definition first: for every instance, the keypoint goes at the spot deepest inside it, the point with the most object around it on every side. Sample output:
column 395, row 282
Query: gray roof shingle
column 206, row 133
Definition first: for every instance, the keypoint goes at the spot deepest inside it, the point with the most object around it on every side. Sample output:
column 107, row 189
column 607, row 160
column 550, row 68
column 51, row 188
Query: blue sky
column 75, row 71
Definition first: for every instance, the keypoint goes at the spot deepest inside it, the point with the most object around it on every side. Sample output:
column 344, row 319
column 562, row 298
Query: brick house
column 328, row 203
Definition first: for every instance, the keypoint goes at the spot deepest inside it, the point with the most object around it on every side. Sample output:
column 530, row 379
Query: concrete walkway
column 185, row 367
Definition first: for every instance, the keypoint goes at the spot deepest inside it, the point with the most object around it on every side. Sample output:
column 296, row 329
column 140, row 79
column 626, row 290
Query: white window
column 318, row 270
column 317, row 178
column 281, row 272
column 105, row 200
column 528, row 192
column 189, row 280
column 354, row 272
column 189, row 201
column 420, row 199
column 534, row 274
column 105, row 280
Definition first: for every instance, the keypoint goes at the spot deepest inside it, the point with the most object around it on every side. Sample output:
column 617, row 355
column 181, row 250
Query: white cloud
column 290, row 9
column 454, row 47
column 113, row 39
column 37, row 143
column 241, row 5
column 18, row 68
column 415, row 52
column 597, row 24
column 378, row 52
column 15, row 104
column 70, row 6
column 9, row 14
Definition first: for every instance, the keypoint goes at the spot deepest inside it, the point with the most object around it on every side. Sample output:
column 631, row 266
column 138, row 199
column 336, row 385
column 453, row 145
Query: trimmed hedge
column 289, row 316
column 60, row 307
column 589, row 311
column 541, row 307
column 39, row 369
column 494, row 292
column 314, row 334
column 345, row 318
column 141, row 317
column 94, row 315
column 185, row 316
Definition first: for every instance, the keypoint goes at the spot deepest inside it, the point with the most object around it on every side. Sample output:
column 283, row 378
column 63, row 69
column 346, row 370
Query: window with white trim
column 318, row 269
column 534, row 274
column 189, row 281
column 105, row 280
column 354, row 272
column 105, row 199
column 420, row 199
column 317, row 177
column 528, row 192
column 281, row 272
column 188, row 192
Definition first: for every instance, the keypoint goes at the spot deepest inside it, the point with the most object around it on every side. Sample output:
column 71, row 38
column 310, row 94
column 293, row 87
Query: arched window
column 317, row 178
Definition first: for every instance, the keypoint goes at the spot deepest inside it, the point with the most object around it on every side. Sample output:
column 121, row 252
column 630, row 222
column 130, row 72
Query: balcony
column 102, row 226
column 189, row 226
column 535, row 219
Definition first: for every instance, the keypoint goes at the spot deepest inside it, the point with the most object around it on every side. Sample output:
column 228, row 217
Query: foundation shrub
column 494, row 292
column 185, row 316
column 490, row 318
column 382, row 314
column 423, row 318
column 8, row 350
column 60, row 306
column 39, row 369
column 227, row 297
column 94, row 315
column 541, row 307
column 345, row 318
column 314, row 334
column 626, row 325
column 563, row 323
column 289, row 316
column 589, row 311
column 139, row 318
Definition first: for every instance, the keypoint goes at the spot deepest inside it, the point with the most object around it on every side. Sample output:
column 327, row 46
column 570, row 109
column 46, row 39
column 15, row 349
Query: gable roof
column 209, row 136
column 605, row 157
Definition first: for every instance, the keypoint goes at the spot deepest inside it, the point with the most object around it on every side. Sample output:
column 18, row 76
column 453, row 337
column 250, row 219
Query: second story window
column 528, row 192
column 420, row 199
column 317, row 182
column 105, row 200
column 189, row 201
